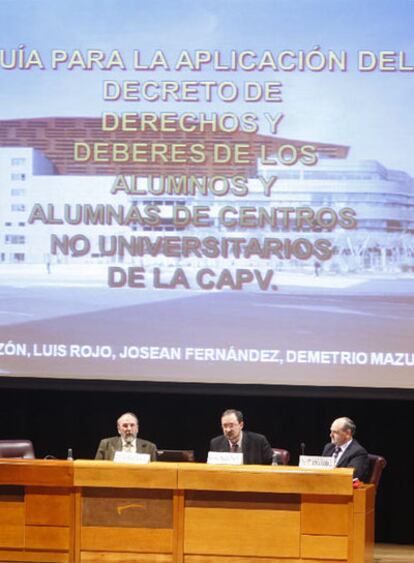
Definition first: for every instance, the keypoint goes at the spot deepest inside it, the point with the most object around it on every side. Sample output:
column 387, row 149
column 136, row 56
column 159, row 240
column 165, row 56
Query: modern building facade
column 52, row 212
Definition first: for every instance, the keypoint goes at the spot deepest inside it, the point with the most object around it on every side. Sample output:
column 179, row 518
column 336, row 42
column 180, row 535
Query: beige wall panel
column 227, row 531
column 11, row 514
column 11, row 536
column 47, row 537
column 131, row 539
column 325, row 515
column 90, row 557
column 48, row 506
column 324, row 547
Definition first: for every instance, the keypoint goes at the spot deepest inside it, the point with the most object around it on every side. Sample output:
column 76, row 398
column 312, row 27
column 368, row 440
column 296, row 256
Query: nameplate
column 131, row 457
column 225, row 458
column 316, row 462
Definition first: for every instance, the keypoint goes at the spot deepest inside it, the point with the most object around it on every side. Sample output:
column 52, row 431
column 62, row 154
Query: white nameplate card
column 225, row 458
column 131, row 457
column 316, row 462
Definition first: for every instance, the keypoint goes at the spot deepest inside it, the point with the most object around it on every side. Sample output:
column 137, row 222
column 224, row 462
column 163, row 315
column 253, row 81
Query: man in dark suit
column 127, row 440
column 345, row 450
column 254, row 447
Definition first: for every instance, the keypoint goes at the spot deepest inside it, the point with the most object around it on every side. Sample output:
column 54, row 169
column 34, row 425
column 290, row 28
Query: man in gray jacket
column 127, row 441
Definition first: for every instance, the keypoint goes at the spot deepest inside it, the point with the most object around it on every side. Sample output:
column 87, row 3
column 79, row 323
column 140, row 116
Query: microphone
column 302, row 448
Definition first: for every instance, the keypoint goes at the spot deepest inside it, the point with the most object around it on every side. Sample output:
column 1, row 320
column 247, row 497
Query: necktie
column 234, row 448
column 336, row 453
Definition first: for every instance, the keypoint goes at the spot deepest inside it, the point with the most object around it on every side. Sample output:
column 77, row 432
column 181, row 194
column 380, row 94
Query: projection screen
column 215, row 192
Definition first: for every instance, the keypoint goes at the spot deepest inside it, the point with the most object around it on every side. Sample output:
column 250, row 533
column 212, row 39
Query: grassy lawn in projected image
column 373, row 315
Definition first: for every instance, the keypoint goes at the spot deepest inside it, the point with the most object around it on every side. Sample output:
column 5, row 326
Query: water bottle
column 70, row 454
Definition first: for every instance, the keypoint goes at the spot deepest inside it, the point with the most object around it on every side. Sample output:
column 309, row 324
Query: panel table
column 99, row 511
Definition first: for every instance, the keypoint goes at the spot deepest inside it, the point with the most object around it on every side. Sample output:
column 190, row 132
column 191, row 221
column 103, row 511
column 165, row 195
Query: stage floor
column 388, row 553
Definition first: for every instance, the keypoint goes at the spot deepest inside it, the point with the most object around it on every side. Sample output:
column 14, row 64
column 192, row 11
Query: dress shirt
column 238, row 444
column 129, row 446
column 341, row 453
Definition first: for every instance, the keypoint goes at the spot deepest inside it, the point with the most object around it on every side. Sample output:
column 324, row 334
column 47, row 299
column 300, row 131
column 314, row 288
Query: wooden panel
column 11, row 536
column 50, row 506
column 11, row 514
column 36, row 472
column 245, row 500
column 364, row 498
column 131, row 539
column 232, row 531
column 123, row 508
column 363, row 525
column 367, row 545
column 47, row 537
column 322, row 560
column 259, row 478
column 35, row 557
column 363, row 537
column 221, row 559
column 324, row 547
column 125, row 475
column 77, row 526
column 178, row 526
column 325, row 515
column 88, row 557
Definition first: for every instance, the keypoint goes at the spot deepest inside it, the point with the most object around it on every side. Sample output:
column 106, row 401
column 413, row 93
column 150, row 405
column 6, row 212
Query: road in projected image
column 359, row 335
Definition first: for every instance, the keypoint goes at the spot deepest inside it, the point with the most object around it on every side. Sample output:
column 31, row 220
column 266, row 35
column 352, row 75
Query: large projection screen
column 214, row 192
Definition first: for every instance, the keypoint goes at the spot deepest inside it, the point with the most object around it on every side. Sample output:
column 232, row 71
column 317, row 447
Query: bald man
column 345, row 450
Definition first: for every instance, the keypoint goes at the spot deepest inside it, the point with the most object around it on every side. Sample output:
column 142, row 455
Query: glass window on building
column 18, row 161
column 17, row 257
column 14, row 239
column 18, row 177
column 18, row 191
column 18, row 207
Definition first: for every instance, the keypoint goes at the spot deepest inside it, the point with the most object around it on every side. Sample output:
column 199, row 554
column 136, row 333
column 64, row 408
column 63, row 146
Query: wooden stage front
column 99, row 511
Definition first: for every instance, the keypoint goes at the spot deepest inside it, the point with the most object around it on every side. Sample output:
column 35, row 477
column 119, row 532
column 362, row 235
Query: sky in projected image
column 369, row 111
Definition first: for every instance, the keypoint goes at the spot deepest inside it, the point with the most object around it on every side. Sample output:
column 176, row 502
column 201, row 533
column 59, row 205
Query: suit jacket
column 108, row 446
column 255, row 448
column 354, row 456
